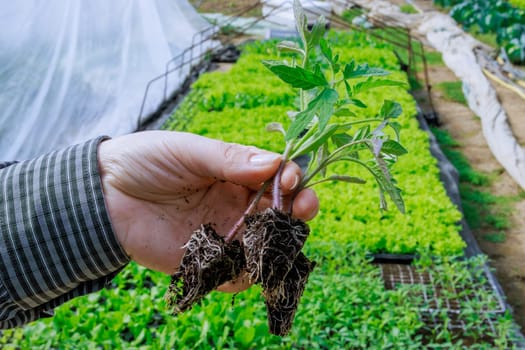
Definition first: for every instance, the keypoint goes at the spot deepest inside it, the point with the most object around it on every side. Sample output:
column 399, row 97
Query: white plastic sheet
column 281, row 11
column 72, row 70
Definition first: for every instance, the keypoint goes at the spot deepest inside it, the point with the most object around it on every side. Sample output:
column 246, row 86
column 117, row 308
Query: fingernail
column 263, row 159
column 295, row 182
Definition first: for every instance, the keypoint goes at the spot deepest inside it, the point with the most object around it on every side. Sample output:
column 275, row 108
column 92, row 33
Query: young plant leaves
column 393, row 148
column 316, row 141
column 301, row 22
column 311, row 132
column 327, row 100
column 352, row 71
column 297, row 77
column 322, row 106
column 386, row 184
column 390, row 109
column 318, row 31
column 341, row 139
column 326, row 50
column 371, row 83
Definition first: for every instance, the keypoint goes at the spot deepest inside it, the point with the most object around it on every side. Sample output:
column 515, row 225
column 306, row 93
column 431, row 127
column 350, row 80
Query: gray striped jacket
column 56, row 239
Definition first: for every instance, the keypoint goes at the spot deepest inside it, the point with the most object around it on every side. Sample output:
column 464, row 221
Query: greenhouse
column 404, row 117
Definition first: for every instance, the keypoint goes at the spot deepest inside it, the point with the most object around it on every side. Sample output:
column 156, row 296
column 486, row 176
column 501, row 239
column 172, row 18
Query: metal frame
column 205, row 43
column 437, row 298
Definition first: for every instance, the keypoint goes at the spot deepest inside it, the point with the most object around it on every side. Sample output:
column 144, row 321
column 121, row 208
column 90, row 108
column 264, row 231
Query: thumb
column 243, row 165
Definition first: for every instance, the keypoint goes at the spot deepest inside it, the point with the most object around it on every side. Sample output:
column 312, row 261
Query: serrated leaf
column 352, row 71
column 393, row 148
column 390, row 109
column 322, row 106
column 356, row 102
column 386, row 184
column 301, row 22
column 318, row 30
column 326, row 50
column 345, row 178
column 297, row 77
column 372, row 83
column 349, row 90
column 275, row 127
column 290, row 46
column 327, row 100
column 300, row 123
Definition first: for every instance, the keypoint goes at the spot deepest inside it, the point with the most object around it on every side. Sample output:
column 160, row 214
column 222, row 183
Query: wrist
column 110, row 193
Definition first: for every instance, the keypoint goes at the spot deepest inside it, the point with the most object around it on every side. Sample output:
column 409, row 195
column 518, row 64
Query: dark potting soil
column 208, row 262
column 271, row 254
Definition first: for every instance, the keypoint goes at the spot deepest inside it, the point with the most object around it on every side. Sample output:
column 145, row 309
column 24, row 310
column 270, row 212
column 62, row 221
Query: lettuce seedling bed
column 443, row 296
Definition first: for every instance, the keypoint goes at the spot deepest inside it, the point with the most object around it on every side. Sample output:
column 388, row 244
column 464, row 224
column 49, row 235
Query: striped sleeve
column 56, row 239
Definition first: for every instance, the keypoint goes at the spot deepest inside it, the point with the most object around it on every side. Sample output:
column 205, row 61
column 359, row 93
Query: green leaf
column 245, row 335
column 372, row 83
column 396, row 127
column 301, row 22
column 327, row 100
column 326, row 50
column 316, row 141
column 300, row 123
column 297, row 77
column 362, row 133
column 390, row 109
column 318, row 31
column 386, row 184
column 349, row 90
column 341, row 139
column 351, row 101
column 322, row 106
column 344, row 112
column 352, row 71
column 393, row 148
column 317, row 69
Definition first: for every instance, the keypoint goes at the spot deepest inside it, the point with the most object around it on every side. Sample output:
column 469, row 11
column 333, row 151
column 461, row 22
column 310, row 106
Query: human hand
column 160, row 186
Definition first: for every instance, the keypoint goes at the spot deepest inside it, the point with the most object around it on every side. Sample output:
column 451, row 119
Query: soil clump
column 271, row 254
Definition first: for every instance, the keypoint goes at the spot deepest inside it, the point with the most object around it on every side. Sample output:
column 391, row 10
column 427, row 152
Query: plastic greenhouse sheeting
column 74, row 70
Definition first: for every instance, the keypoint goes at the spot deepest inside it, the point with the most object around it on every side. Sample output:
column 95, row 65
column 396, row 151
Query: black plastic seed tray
column 439, row 297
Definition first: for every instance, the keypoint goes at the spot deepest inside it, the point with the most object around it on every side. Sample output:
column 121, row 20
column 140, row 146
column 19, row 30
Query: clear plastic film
column 73, row 70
